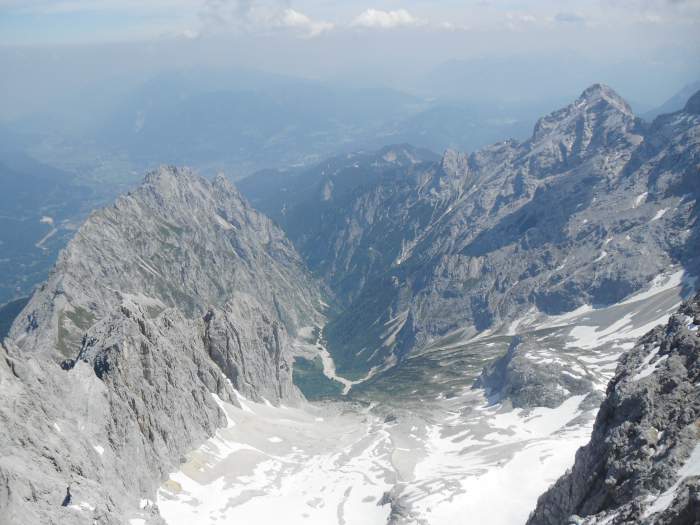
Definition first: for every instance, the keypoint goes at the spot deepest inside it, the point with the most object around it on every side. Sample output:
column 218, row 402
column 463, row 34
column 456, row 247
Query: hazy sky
column 71, row 21
column 647, row 48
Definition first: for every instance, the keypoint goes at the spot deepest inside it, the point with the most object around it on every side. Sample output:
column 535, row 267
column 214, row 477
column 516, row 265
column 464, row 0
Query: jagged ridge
column 587, row 211
column 647, row 428
column 161, row 304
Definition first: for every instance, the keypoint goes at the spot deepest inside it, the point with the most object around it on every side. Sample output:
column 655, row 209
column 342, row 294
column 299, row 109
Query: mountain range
column 174, row 317
column 587, row 211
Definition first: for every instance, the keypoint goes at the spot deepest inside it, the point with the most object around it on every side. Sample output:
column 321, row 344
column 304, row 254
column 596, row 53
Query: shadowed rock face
column 587, row 211
column 647, row 429
column 176, row 294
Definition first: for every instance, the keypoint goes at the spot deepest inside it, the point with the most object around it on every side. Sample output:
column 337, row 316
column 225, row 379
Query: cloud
column 292, row 19
column 569, row 18
column 259, row 16
column 378, row 19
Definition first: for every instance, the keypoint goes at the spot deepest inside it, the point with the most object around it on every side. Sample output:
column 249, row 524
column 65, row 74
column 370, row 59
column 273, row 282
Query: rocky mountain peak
column 221, row 182
column 601, row 93
column 166, row 179
column 179, row 240
column 164, row 173
column 598, row 119
column 175, row 298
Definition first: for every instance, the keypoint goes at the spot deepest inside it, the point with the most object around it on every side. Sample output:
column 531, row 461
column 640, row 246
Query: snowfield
column 424, row 455
column 339, row 470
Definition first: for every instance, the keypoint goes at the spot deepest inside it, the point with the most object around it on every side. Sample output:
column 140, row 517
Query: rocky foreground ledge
column 642, row 464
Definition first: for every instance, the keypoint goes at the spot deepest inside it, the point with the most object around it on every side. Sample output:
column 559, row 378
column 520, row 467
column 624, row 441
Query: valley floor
column 434, row 451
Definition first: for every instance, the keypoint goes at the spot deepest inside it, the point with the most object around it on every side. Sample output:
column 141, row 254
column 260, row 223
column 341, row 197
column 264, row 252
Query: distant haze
column 51, row 51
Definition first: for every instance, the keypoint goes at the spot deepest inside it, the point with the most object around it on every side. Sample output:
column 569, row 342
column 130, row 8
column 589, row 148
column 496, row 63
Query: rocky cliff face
column 642, row 464
column 163, row 304
column 588, row 210
column 177, row 241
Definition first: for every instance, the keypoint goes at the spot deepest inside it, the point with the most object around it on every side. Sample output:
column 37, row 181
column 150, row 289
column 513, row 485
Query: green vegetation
column 360, row 326
column 309, row 377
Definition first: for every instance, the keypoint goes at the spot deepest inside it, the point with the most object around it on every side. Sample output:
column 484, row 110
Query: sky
column 647, row 48
column 89, row 21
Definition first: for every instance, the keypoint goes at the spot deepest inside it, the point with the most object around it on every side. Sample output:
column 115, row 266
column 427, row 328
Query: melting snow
column 640, row 199
column 521, row 456
column 659, row 214
column 646, row 369
column 143, row 264
column 223, row 222
column 691, row 468
column 337, row 470
column 660, row 284
column 394, row 326
column 331, row 464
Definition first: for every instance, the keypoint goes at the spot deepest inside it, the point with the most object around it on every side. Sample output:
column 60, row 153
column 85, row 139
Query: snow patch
column 223, row 222
column 661, row 283
column 659, row 214
column 523, row 455
column 690, row 468
column 640, row 199
column 650, row 369
column 143, row 264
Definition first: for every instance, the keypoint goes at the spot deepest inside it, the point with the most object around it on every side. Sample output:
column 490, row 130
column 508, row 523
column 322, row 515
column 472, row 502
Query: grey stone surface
column 587, row 211
column 177, row 293
column 178, row 239
column 645, row 431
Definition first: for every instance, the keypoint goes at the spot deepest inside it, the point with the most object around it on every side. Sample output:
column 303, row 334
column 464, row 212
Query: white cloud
column 376, row 18
column 292, row 19
column 259, row 17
